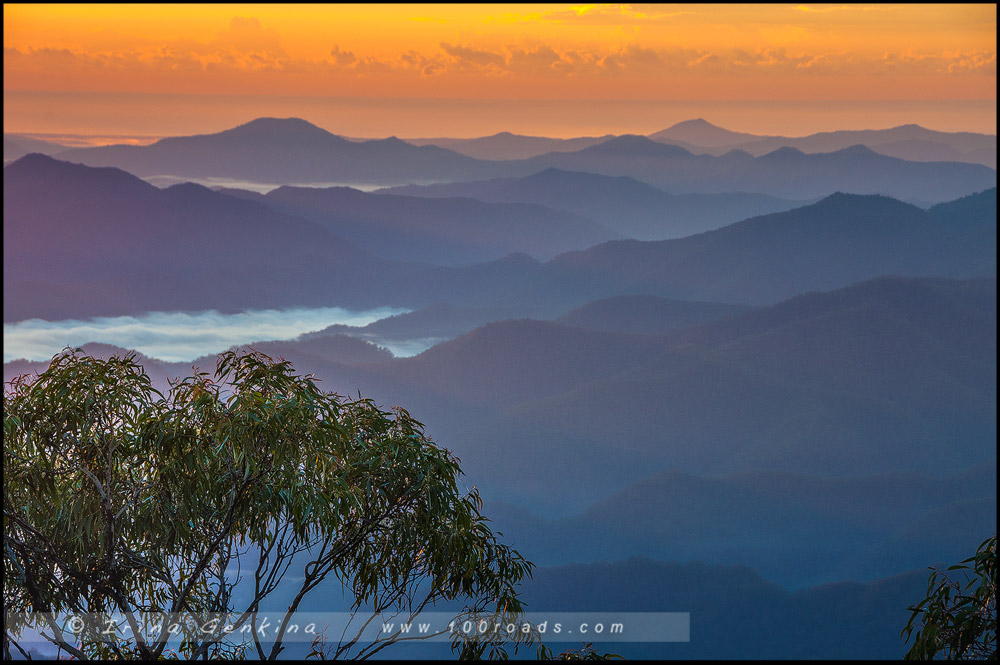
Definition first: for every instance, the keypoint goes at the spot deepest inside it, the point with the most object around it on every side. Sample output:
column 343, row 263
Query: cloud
column 532, row 59
column 598, row 14
column 244, row 45
column 342, row 58
column 478, row 58
column 847, row 8
column 973, row 62
column 246, row 34
column 171, row 67
column 542, row 60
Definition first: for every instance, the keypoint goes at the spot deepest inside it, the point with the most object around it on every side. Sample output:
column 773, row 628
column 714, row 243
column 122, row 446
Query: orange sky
column 669, row 53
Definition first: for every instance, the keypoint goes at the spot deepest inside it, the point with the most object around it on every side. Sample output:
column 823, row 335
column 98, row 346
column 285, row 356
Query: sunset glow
column 547, row 53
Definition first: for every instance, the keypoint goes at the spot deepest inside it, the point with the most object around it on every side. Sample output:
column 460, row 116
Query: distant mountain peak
column 736, row 152
column 629, row 139
column 32, row 159
column 277, row 128
column 42, row 168
column 843, row 199
column 857, row 149
column 189, row 189
column 694, row 123
column 701, row 132
column 270, row 123
column 35, row 163
column 389, row 141
column 189, row 186
column 844, row 196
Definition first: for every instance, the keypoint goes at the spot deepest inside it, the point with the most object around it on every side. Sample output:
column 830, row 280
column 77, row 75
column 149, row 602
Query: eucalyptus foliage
column 119, row 499
column 958, row 621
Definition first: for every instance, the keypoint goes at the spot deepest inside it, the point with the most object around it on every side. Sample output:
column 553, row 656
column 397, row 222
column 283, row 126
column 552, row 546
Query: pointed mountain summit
column 785, row 151
column 273, row 130
column 857, row 149
column 844, row 203
column 700, row 132
column 36, row 171
column 387, row 141
column 270, row 126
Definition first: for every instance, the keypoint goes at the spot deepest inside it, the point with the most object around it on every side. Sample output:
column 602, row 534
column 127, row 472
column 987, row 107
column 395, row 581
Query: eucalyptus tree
column 122, row 501
column 958, row 621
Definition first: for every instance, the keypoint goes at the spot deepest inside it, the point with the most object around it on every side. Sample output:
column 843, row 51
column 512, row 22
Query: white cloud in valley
column 176, row 336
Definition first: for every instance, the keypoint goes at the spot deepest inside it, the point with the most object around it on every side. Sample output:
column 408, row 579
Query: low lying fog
column 176, row 336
